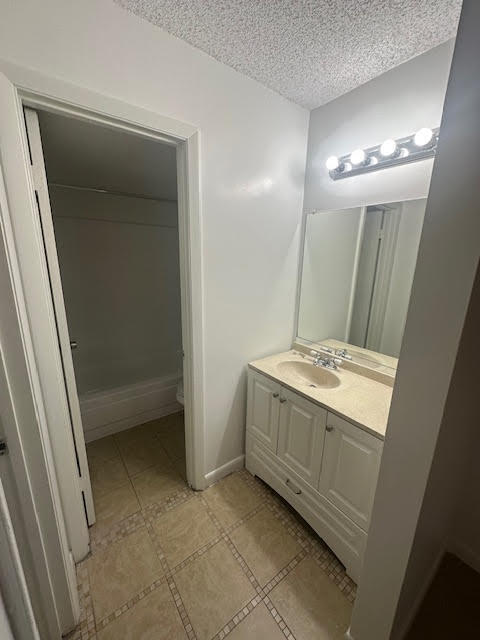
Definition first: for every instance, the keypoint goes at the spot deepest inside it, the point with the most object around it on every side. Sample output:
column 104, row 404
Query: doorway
column 108, row 209
column 45, row 438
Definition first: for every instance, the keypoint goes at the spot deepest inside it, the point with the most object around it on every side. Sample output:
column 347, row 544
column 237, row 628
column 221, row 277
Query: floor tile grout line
column 251, row 577
column 130, row 603
column 177, row 598
column 309, row 545
column 257, row 586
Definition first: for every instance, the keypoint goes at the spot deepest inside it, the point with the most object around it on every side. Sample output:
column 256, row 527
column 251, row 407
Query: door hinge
column 3, row 447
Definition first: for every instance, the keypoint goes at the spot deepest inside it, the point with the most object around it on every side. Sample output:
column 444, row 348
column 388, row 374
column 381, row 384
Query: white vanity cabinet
column 301, row 434
column 351, row 460
column 323, row 465
column 263, row 408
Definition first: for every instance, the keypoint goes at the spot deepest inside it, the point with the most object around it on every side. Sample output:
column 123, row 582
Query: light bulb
column 332, row 163
column 423, row 137
column 357, row 157
column 388, row 148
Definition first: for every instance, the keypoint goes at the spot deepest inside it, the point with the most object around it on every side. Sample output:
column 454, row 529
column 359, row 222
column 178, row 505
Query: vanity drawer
column 342, row 535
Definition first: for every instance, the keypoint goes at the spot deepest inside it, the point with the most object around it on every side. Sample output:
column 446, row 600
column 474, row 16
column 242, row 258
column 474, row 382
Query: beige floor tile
column 311, row 604
column 231, row 499
column 145, row 430
column 142, row 453
column 103, row 449
column 258, row 624
column 156, row 484
column 173, row 441
column 115, row 506
column 121, row 571
column 107, row 475
column 183, row 530
column 213, row 588
column 155, row 617
column 174, row 421
column 265, row 545
column 180, row 466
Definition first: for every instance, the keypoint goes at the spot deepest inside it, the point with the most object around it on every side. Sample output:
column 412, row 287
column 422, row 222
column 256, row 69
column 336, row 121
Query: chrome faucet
column 321, row 360
column 343, row 353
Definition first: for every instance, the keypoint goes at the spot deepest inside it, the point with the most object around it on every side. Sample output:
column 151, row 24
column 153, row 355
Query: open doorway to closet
column 107, row 203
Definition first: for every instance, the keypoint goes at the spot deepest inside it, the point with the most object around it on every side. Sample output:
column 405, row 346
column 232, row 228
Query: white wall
column 252, row 158
column 395, row 104
column 120, row 275
column 447, row 262
column 328, row 263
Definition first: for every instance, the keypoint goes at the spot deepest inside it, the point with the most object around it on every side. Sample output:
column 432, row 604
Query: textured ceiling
column 310, row 51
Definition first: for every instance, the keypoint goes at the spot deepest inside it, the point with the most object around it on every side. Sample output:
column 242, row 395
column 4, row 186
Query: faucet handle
column 325, row 348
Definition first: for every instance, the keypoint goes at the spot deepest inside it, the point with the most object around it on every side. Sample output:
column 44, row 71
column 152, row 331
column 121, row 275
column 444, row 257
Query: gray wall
column 418, row 438
column 120, row 275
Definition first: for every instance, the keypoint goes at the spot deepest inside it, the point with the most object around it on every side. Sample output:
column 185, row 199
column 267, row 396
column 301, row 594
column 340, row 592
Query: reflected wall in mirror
column 357, row 274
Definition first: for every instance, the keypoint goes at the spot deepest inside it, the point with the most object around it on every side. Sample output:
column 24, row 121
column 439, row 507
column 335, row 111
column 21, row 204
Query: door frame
column 35, row 90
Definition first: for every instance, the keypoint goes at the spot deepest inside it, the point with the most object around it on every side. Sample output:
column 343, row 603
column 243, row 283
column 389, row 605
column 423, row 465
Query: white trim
column 465, row 553
column 17, row 580
column 356, row 262
column 112, row 410
column 229, row 467
column 34, row 467
column 39, row 91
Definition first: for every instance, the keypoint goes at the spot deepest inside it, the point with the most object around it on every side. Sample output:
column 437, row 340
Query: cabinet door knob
column 275, row 395
column 329, row 427
column 282, row 400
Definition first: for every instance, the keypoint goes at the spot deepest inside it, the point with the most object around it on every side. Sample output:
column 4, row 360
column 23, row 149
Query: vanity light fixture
column 358, row 157
column 391, row 153
column 423, row 137
column 389, row 148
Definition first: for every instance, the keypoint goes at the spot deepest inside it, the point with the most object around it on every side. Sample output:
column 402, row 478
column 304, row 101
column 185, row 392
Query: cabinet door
column 351, row 460
column 263, row 408
column 301, row 435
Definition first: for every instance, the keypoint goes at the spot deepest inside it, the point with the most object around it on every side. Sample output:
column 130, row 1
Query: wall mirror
column 356, row 277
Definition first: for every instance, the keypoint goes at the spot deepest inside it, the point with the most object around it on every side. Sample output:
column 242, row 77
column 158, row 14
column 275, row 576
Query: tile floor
column 167, row 562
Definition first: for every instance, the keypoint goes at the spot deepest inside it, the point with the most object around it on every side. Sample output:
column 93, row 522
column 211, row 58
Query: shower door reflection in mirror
column 357, row 274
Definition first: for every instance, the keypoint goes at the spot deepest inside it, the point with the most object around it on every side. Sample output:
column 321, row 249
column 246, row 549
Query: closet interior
column 113, row 200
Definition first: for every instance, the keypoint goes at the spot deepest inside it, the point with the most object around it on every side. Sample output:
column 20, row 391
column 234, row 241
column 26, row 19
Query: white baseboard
column 465, row 553
column 111, row 411
column 217, row 474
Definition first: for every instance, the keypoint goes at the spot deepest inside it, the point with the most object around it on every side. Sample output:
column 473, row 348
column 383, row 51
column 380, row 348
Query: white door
column 351, row 460
column 43, row 201
column 263, row 408
column 301, row 435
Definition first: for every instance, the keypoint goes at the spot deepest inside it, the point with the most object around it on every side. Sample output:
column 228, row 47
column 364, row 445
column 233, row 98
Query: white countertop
column 359, row 399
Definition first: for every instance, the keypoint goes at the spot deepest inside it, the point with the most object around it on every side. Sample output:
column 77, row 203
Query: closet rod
column 111, row 192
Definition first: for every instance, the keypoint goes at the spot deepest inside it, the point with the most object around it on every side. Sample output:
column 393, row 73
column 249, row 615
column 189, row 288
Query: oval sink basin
column 306, row 373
